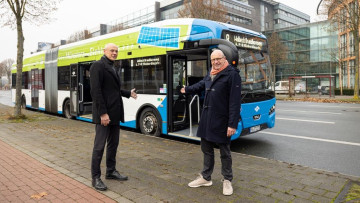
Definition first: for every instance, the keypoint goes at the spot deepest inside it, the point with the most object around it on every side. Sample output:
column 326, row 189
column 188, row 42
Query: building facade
column 257, row 15
column 312, row 50
column 344, row 12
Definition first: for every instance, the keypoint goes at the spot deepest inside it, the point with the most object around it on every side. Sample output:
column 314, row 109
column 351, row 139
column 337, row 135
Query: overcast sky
column 77, row 15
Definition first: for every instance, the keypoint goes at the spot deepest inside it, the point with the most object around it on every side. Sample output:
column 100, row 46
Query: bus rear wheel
column 149, row 122
column 66, row 110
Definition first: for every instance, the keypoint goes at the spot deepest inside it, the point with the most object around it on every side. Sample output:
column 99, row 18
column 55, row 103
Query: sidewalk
column 48, row 160
column 24, row 179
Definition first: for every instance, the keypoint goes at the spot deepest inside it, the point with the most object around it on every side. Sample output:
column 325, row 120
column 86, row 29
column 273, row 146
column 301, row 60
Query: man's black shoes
column 116, row 176
column 98, row 184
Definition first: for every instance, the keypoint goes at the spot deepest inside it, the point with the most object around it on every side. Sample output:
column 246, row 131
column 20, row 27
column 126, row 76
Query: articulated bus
column 157, row 59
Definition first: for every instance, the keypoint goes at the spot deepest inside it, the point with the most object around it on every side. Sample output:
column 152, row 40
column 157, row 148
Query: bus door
column 177, row 101
column 185, row 68
column 80, row 98
column 35, row 78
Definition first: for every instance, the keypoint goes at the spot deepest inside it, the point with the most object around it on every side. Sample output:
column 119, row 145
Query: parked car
column 324, row 90
column 282, row 87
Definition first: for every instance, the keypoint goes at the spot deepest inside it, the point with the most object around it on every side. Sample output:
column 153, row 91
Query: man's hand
column 133, row 93
column 105, row 120
column 230, row 131
column 182, row 90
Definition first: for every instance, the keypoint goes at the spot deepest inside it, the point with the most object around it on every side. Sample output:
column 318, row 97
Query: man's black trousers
column 105, row 135
column 209, row 159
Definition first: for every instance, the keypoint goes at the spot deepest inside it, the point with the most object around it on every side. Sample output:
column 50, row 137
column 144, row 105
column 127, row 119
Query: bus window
column 253, row 68
column 147, row 75
column 64, row 78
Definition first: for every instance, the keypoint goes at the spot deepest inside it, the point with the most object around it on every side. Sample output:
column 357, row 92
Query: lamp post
column 317, row 10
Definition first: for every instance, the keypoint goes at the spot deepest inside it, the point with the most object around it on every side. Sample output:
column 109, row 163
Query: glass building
column 257, row 15
column 312, row 51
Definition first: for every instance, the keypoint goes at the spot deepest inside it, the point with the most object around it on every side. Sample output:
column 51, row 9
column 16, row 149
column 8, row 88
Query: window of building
column 170, row 13
column 283, row 23
column 235, row 7
column 352, row 73
column 267, row 25
column 266, row 9
column 351, row 44
column 240, row 19
column 290, row 15
column 343, row 44
column 343, row 19
column 345, row 73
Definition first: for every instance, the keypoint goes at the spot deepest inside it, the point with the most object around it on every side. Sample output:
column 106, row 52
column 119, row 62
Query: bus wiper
column 244, row 94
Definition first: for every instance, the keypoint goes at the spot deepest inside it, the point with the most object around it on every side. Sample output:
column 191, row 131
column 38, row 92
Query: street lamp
column 317, row 10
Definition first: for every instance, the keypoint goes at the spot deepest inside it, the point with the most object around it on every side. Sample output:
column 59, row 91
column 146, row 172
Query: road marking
column 311, row 121
column 324, row 106
column 309, row 111
column 311, row 138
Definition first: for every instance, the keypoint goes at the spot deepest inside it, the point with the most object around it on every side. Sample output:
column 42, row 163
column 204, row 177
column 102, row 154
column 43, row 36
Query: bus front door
column 80, row 99
column 178, row 102
column 185, row 69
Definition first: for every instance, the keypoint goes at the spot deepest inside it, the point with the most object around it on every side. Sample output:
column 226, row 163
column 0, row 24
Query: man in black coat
column 107, row 112
column 219, row 119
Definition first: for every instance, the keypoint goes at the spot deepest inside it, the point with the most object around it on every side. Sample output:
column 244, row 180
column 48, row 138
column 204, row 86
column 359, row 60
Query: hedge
column 345, row 91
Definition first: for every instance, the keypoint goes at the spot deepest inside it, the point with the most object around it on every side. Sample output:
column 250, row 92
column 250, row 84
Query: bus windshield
column 255, row 69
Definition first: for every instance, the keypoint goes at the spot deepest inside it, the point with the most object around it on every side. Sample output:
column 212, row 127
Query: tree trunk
column 356, row 86
column 19, row 65
column 340, row 78
column 273, row 75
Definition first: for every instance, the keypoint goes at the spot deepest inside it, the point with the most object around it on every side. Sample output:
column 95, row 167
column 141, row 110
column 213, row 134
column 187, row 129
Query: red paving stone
column 22, row 179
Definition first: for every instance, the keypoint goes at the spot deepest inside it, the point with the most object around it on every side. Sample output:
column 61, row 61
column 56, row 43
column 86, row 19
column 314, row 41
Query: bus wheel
column 23, row 102
column 66, row 110
column 149, row 123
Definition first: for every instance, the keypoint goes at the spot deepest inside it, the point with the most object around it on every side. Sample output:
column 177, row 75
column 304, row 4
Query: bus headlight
column 272, row 109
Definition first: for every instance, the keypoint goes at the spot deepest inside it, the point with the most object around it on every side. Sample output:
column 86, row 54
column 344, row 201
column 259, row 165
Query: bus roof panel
column 214, row 29
column 243, row 30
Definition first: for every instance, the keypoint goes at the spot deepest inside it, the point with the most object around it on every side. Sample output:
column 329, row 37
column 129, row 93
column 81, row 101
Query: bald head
column 111, row 51
column 218, row 59
column 217, row 53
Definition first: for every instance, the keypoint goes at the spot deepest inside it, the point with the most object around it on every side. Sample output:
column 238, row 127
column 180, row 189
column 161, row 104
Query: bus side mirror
column 231, row 54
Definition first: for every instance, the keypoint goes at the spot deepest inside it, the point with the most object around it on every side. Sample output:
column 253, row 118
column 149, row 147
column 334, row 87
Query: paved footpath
column 24, row 179
column 47, row 159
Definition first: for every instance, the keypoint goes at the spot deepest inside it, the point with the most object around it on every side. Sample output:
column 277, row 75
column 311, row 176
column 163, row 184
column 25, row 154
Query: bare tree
column 13, row 13
column 278, row 51
column 206, row 9
column 117, row 27
column 346, row 15
column 5, row 68
column 78, row 36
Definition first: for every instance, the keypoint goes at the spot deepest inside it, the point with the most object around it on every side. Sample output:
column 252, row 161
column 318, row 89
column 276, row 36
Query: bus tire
column 66, row 109
column 23, row 102
column 149, row 122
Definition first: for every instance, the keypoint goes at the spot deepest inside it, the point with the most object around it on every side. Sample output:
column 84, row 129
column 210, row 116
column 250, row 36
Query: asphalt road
column 319, row 135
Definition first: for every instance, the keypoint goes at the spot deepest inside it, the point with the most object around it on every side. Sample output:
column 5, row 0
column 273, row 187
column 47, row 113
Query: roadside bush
column 349, row 92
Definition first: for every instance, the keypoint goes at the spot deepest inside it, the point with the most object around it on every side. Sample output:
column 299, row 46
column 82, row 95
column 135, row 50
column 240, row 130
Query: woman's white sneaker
column 200, row 181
